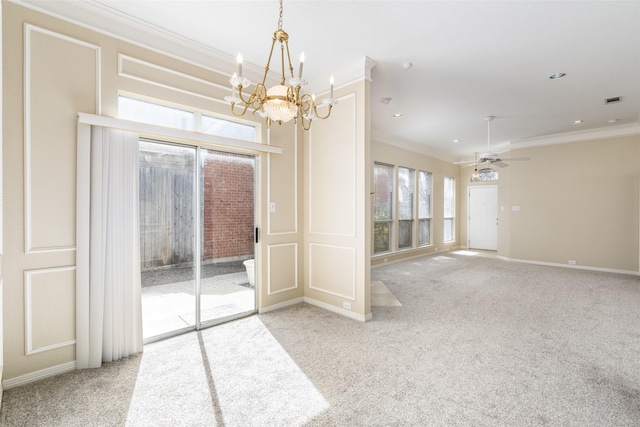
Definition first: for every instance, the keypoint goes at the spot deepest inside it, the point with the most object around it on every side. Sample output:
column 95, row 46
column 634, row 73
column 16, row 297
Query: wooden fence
column 167, row 186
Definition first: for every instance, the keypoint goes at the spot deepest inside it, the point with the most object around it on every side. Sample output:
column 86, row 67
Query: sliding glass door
column 227, row 235
column 197, row 222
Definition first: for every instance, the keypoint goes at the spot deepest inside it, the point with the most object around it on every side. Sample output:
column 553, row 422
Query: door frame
column 198, row 236
column 469, row 189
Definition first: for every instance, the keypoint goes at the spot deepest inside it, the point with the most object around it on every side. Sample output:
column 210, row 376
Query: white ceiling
column 471, row 59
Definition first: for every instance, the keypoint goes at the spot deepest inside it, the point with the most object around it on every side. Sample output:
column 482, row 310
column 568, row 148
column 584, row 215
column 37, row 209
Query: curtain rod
column 146, row 129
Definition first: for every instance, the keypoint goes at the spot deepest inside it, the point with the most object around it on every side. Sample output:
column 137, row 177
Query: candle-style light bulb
column 301, row 64
column 239, row 59
column 331, row 81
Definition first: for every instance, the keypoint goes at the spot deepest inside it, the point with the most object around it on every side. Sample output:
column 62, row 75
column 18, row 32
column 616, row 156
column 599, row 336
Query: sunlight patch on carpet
column 381, row 296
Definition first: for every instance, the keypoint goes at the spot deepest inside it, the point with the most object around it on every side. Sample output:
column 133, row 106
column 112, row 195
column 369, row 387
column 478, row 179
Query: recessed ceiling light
column 407, row 65
column 455, row 141
column 577, row 122
column 557, row 75
column 397, row 115
column 613, row 121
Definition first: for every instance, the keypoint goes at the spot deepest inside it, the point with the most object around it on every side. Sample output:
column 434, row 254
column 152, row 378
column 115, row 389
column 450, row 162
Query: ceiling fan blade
column 500, row 163
column 465, row 162
column 514, row 158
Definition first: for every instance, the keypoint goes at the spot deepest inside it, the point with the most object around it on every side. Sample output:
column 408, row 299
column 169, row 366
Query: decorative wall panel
column 49, row 308
column 283, row 180
column 332, row 270
column 137, row 69
column 62, row 78
column 282, row 262
column 333, row 172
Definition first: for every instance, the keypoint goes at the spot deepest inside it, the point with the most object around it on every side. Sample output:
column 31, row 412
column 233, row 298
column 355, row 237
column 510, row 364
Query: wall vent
column 613, row 100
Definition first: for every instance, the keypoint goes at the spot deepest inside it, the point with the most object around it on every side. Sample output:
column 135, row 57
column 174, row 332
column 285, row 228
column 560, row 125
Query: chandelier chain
column 280, row 18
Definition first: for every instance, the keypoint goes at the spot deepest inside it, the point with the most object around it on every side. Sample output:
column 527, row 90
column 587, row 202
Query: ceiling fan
column 489, row 157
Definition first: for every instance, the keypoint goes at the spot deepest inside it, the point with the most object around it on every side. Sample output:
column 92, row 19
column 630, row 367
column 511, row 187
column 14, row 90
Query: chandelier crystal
column 282, row 102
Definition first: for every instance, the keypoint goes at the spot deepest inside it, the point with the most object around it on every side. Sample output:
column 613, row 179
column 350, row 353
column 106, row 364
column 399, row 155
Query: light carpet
column 381, row 296
column 477, row 342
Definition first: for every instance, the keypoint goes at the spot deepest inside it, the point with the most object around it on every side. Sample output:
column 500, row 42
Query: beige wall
column 577, row 201
column 52, row 70
column 337, row 153
column 282, row 247
column 391, row 155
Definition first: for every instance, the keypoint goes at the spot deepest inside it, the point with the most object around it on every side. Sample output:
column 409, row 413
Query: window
column 383, row 207
column 182, row 118
column 449, row 208
column 424, row 208
column 405, row 207
column 221, row 127
column 156, row 114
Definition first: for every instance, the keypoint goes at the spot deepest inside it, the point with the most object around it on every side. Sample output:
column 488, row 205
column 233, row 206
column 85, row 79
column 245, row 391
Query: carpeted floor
column 381, row 296
column 476, row 342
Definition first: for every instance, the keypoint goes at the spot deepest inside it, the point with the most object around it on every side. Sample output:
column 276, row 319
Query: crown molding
column 384, row 138
column 354, row 72
column 577, row 136
column 113, row 23
column 105, row 20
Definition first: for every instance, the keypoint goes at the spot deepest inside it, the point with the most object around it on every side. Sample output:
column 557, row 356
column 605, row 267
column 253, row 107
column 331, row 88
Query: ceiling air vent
column 612, row 100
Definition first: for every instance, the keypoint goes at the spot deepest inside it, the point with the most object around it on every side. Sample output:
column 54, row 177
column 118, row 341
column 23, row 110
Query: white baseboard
column 323, row 305
column 39, row 375
column 338, row 310
column 280, row 305
column 575, row 267
column 1, row 387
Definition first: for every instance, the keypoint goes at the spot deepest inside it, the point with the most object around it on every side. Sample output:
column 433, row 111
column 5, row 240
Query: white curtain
column 108, row 295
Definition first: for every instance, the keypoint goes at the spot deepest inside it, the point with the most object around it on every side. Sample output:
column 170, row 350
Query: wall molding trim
column 353, row 220
column 352, row 250
column 574, row 267
column 347, row 313
column 39, row 375
column 155, row 70
column 295, row 261
column 278, row 306
column 294, row 184
column 577, row 136
column 28, row 211
column 28, row 312
column 112, row 23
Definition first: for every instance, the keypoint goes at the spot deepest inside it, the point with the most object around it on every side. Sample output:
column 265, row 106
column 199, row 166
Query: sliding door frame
column 198, row 188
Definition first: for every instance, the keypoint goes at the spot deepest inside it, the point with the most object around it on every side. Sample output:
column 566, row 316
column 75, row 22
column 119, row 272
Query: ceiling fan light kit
column 488, row 157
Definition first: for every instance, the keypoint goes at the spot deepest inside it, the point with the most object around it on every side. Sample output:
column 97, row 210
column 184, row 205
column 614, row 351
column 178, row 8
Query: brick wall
column 228, row 205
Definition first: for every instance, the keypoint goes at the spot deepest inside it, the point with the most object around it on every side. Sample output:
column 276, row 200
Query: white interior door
column 483, row 217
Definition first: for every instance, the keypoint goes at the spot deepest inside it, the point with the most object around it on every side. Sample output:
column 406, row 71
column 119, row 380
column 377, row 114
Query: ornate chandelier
column 283, row 102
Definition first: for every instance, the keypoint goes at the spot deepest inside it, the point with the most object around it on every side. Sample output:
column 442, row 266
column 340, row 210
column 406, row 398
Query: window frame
column 449, row 206
column 197, row 114
column 429, row 214
column 388, row 221
column 410, row 181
